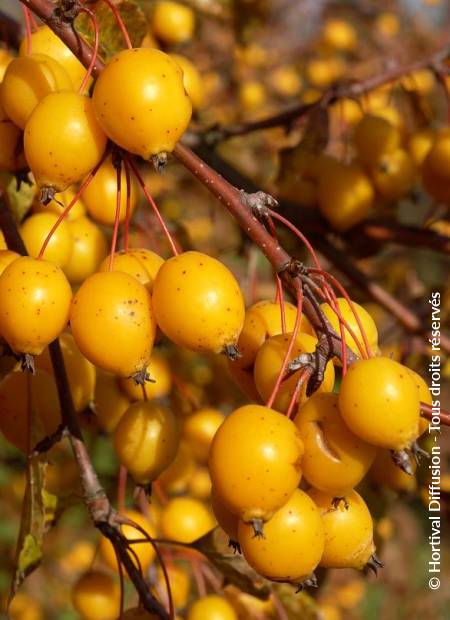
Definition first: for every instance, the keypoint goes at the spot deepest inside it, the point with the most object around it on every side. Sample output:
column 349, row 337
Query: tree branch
column 408, row 319
column 341, row 90
column 99, row 507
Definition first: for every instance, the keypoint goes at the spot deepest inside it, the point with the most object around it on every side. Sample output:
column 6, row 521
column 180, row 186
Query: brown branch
column 393, row 232
column 96, row 501
column 236, row 202
column 408, row 319
column 341, row 90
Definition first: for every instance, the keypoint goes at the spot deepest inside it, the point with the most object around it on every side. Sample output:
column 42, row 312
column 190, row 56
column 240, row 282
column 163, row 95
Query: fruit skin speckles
column 153, row 78
column 195, row 314
column 35, row 303
column 103, row 328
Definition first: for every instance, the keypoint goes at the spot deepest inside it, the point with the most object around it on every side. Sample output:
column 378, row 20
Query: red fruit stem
column 298, row 234
column 26, row 15
column 117, row 216
column 288, row 353
column 67, row 209
column 338, row 285
column 126, row 231
column 152, row 203
column 90, row 68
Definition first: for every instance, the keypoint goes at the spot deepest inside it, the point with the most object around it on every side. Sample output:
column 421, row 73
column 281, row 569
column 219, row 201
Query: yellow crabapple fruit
column 385, row 473
column 198, row 303
column 144, row 551
column 27, row 80
column 172, row 22
column 89, row 247
column 213, row 607
column 379, row 402
column 45, row 41
column 6, row 258
column 335, row 460
column 348, row 528
column 25, row 607
column 110, row 403
column 293, row 541
column 35, row 303
column 227, row 520
column 96, row 596
column 394, row 174
column 255, row 439
column 374, row 137
column 200, row 483
column 150, row 111
column 268, row 364
column 63, row 140
column 100, row 195
column 15, row 403
column 113, row 324
column 34, row 231
column 175, row 479
column 11, row 149
column 185, row 519
column 159, row 384
column 367, row 323
column 438, row 156
column 420, row 143
column 59, row 202
column 146, row 440
column 199, row 429
column 142, row 264
column 191, row 79
column 180, row 584
column 345, row 195
column 339, row 34
column 424, row 396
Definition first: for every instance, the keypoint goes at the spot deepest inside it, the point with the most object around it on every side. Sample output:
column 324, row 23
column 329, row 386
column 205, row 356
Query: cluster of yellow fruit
column 387, row 167
column 245, row 468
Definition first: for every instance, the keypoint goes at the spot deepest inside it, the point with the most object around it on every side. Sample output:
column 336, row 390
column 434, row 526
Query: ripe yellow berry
column 348, row 529
column 144, row 551
column 34, row 231
column 35, row 302
column 112, row 322
column 88, row 249
column 158, row 387
column 191, row 79
column 150, row 111
column 100, row 195
column 185, row 519
column 27, row 80
column 172, row 22
column 255, row 439
column 293, row 541
column 379, row 402
column 198, row 303
column 96, row 596
column 45, row 41
column 63, row 140
column 146, row 440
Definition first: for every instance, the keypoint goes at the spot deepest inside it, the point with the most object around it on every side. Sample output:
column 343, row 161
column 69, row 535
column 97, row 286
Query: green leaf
column 20, row 198
column 38, row 511
column 111, row 37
